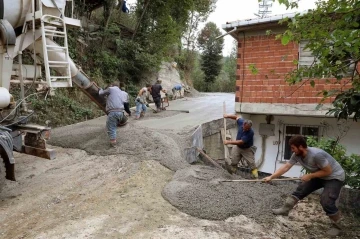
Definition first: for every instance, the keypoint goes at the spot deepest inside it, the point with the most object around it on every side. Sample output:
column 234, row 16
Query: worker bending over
column 114, row 109
column 177, row 90
column 244, row 146
column 325, row 172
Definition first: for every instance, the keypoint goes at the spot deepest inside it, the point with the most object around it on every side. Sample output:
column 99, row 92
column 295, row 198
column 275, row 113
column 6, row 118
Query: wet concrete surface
column 202, row 109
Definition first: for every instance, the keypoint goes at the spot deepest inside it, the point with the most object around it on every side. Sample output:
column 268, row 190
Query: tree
column 211, row 52
column 333, row 34
column 199, row 12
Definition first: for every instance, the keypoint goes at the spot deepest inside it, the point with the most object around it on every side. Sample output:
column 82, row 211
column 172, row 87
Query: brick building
column 277, row 109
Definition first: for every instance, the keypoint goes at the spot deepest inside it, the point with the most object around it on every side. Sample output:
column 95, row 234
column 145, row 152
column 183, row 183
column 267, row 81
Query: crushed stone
column 139, row 143
column 196, row 190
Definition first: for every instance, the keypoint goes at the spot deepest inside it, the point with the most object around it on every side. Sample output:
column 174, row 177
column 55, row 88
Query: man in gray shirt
column 325, row 172
column 114, row 110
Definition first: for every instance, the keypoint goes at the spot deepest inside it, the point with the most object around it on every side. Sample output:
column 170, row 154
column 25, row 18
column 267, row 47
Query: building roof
column 258, row 21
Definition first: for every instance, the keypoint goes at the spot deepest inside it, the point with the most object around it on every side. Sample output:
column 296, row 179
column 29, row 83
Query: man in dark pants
column 156, row 95
column 325, row 172
column 125, row 97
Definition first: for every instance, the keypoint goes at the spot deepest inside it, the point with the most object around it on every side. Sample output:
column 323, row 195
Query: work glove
column 147, row 105
column 138, row 99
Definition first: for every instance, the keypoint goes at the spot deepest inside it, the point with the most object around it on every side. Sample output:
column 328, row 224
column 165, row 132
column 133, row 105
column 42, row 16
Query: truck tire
column 2, row 174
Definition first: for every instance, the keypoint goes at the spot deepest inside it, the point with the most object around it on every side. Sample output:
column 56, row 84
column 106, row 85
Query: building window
column 291, row 130
column 306, row 59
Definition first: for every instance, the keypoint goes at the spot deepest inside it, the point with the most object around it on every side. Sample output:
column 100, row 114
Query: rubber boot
column 335, row 229
column 254, row 173
column 290, row 202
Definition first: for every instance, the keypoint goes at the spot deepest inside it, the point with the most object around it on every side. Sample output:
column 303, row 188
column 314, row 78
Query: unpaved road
column 116, row 193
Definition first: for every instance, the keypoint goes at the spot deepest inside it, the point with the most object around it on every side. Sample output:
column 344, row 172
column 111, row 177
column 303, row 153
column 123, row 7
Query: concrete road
column 202, row 109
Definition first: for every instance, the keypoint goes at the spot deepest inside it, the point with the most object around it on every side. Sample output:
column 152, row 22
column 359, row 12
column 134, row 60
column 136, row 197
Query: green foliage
column 225, row 81
column 350, row 163
column 211, row 52
column 333, row 34
column 126, row 47
column 63, row 108
column 199, row 12
column 254, row 70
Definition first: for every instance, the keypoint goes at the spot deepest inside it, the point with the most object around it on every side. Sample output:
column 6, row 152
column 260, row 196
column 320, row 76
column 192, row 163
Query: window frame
column 284, row 144
column 306, row 59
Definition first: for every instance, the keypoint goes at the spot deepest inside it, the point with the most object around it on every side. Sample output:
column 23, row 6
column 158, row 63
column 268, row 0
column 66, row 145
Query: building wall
column 273, row 61
column 351, row 140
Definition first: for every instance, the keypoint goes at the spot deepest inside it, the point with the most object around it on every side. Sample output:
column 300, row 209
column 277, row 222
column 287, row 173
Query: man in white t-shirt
column 141, row 102
column 325, row 172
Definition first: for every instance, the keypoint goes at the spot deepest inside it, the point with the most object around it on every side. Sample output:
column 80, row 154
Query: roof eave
column 258, row 23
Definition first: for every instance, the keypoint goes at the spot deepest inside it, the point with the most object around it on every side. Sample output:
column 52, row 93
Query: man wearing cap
column 243, row 145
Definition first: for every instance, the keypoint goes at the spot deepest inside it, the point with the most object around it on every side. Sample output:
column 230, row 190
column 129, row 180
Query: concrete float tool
column 260, row 180
column 183, row 111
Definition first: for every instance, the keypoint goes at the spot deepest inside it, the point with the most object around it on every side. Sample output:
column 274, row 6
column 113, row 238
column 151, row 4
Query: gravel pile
column 197, row 191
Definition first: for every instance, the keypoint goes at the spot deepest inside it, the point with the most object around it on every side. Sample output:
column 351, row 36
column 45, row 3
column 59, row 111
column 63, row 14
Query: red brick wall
column 273, row 60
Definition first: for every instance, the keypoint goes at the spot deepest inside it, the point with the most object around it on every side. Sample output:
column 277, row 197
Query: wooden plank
column 42, row 153
column 210, row 159
column 226, row 150
column 261, row 180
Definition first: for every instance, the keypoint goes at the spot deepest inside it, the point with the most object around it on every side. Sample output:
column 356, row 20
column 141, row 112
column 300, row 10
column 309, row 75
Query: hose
column 263, row 150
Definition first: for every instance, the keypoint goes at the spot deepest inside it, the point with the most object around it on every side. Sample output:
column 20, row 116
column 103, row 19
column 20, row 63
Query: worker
column 125, row 97
column 156, row 95
column 141, row 102
column 324, row 172
column 244, row 146
column 114, row 109
column 176, row 90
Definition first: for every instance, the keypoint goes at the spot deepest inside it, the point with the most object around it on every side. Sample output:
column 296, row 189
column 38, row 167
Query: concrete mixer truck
column 39, row 28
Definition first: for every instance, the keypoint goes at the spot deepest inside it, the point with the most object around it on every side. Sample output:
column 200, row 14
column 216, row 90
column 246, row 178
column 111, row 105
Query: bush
column 350, row 163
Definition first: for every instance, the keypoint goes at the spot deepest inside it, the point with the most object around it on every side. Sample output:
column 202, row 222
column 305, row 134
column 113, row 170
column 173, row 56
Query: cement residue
column 192, row 93
column 139, row 143
column 197, row 191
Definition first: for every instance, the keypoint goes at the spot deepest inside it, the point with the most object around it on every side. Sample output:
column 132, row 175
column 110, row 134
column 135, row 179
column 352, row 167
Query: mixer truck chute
column 36, row 26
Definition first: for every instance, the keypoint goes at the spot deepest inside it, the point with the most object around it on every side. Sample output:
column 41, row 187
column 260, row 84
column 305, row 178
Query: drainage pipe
column 260, row 162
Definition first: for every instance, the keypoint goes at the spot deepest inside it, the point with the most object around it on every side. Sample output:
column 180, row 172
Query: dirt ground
column 93, row 191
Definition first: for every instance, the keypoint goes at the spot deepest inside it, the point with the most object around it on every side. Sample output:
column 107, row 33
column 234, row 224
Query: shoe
column 289, row 204
column 336, row 227
column 137, row 117
column 254, row 173
column 142, row 114
column 231, row 169
column 113, row 143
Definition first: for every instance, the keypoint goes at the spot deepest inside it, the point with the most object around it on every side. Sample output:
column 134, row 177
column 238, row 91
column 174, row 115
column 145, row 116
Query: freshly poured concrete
column 202, row 109
column 116, row 192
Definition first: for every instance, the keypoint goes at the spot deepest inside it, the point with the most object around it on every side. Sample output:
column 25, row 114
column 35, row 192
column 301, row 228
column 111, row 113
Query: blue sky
column 233, row 10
